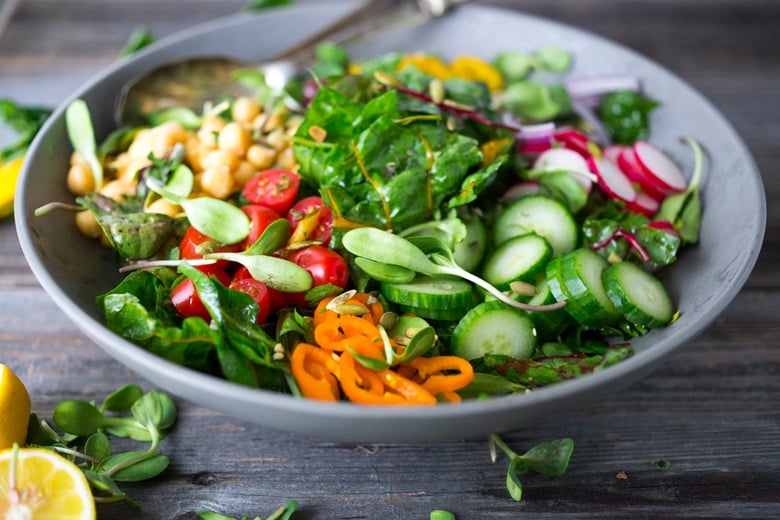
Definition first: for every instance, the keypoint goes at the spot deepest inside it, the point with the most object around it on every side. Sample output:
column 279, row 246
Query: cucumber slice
column 427, row 313
column 549, row 324
column 518, row 259
column 494, row 328
column 639, row 295
column 576, row 278
column 542, row 215
column 425, row 292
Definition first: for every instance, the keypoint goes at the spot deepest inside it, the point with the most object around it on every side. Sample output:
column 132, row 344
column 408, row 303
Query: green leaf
column 513, row 484
column 217, row 219
column 385, row 272
column 140, row 37
column 122, row 399
column 97, row 446
column 137, row 235
column 626, row 116
column 553, row 59
column 105, row 484
column 82, row 137
column 78, row 418
column 550, row 459
column 26, row 121
column 147, row 467
column 259, row 5
column 155, row 410
column 272, row 239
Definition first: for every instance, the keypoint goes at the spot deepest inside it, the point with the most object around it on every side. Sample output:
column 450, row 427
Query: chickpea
column 217, row 182
column 277, row 139
column 143, row 144
column 194, row 151
column 243, row 173
column 286, row 159
column 165, row 207
column 117, row 189
column 273, row 122
column 209, row 130
column 246, row 109
column 235, row 138
column 87, row 224
column 261, row 156
column 80, row 180
column 218, row 158
column 166, row 136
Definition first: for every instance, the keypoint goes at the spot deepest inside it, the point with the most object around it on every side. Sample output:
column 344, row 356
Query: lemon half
column 39, row 484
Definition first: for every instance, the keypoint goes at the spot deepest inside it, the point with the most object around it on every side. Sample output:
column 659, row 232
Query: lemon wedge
column 14, row 409
column 39, row 484
column 9, row 174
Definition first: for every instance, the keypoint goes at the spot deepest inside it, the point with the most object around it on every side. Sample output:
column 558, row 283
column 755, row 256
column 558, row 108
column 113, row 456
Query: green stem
column 495, row 440
column 155, row 434
column 698, row 165
column 476, row 280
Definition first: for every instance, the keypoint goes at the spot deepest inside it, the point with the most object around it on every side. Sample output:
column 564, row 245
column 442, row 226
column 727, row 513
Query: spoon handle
column 371, row 17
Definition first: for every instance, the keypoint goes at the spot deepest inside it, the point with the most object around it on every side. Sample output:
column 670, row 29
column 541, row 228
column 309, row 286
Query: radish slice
column 644, row 204
column 612, row 181
column 629, row 165
column 520, row 190
column 659, row 166
column 574, row 140
column 564, row 159
column 612, row 152
column 664, row 225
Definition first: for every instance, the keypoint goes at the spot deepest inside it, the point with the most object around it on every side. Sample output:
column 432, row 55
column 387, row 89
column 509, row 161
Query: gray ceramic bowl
column 73, row 269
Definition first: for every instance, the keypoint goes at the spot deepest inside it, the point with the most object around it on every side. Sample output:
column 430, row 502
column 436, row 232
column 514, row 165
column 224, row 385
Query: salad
column 401, row 231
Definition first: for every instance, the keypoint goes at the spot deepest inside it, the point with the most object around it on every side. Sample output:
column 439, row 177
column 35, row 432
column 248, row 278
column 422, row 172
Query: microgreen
column 87, row 429
column 82, row 136
column 283, row 513
column 382, row 247
column 550, row 459
column 684, row 209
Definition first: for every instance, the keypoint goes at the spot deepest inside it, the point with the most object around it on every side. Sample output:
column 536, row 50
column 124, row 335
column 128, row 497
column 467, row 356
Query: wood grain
column 696, row 439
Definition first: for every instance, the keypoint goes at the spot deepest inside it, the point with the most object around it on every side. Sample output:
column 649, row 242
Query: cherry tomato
column 278, row 299
column 322, row 229
column 257, row 290
column 260, row 217
column 274, row 188
column 325, row 266
column 195, row 244
column 185, row 297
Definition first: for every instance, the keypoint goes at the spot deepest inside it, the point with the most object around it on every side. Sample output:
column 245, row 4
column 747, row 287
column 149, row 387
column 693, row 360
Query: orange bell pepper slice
column 337, row 334
column 362, row 386
column 316, row 372
column 443, row 374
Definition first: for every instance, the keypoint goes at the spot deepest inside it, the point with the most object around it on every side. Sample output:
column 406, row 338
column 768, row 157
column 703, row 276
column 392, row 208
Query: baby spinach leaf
column 626, row 116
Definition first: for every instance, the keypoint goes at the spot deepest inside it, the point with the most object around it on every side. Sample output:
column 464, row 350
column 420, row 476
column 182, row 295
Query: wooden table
column 700, row 438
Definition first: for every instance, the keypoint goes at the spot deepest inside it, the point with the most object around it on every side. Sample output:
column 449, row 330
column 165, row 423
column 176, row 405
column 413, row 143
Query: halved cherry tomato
column 260, row 218
column 321, row 229
column 195, row 244
column 278, row 299
column 276, row 189
column 185, row 297
column 325, row 266
column 257, row 290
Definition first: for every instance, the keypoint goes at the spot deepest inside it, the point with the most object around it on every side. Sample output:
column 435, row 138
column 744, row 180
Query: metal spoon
column 193, row 82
